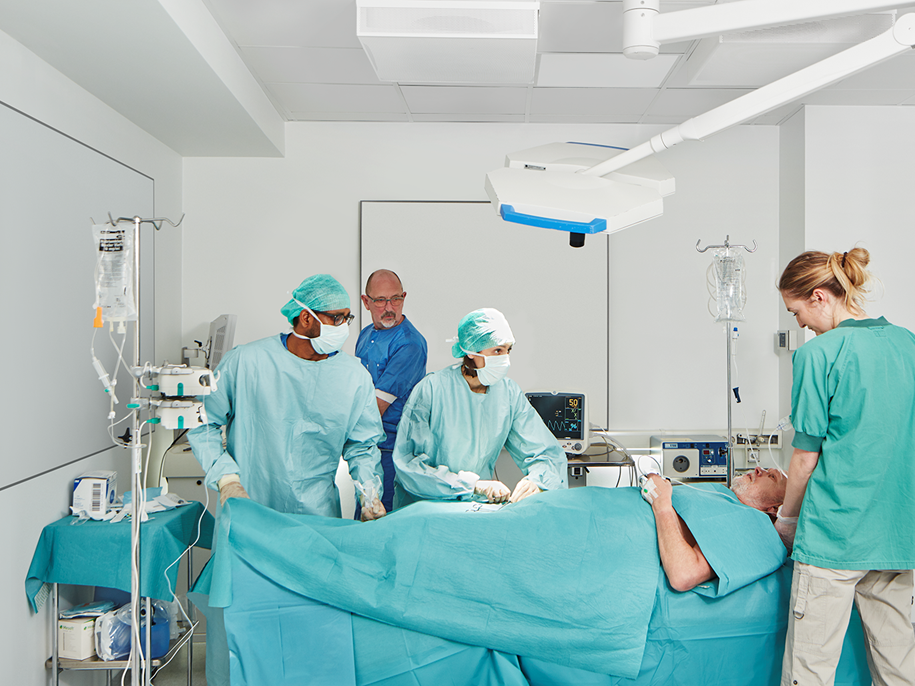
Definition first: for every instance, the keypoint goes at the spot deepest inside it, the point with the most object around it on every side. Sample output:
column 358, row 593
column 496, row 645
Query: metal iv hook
column 726, row 245
column 138, row 220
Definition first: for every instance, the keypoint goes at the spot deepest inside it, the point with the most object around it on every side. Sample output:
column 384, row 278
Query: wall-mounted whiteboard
column 455, row 257
column 53, row 409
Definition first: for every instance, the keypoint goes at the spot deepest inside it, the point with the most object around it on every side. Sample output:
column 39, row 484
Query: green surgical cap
column 482, row 329
column 319, row 293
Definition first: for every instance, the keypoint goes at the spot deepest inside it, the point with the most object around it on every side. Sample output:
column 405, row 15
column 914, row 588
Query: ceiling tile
column 310, row 65
column 349, row 116
column 898, row 72
column 464, row 100
column 603, row 71
column 584, row 119
column 290, row 23
column 779, row 115
column 581, row 27
column 688, row 102
column 499, row 118
column 605, row 102
column 594, row 26
column 859, row 97
column 303, row 98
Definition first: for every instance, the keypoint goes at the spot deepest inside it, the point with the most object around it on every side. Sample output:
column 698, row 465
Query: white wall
column 859, row 184
column 33, row 88
column 267, row 223
column 857, row 175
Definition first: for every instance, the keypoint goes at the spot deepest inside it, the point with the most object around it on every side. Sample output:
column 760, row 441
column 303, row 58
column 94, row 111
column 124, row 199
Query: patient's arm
column 683, row 561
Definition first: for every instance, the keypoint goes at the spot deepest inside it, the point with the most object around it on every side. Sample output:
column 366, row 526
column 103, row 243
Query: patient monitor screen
column 563, row 413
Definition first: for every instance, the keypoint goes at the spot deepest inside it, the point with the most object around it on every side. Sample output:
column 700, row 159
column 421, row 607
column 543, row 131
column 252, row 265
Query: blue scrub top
column 396, row 359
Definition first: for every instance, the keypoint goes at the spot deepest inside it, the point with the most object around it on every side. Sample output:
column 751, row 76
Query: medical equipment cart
column 90, row 554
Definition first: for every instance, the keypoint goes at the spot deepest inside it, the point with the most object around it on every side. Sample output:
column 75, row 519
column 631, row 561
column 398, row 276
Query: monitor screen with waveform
column 564, row 415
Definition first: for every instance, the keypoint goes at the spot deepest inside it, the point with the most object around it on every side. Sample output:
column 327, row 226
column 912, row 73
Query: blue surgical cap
column 482, row 329
column 319, row 293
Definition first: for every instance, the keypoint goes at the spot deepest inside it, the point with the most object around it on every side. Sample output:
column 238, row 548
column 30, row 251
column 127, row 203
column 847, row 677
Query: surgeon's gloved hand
column 525, row 488
column 786, row 528
column 374, row 510
column 230, row 487
column 495, row 491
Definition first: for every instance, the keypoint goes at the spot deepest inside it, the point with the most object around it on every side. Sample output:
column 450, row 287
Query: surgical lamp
column 586, row 189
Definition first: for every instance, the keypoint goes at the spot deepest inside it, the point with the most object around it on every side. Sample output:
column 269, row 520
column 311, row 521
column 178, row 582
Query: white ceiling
column 219, row 77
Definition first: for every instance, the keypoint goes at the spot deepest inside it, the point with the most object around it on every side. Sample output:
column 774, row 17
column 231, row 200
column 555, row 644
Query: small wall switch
column 785, row 340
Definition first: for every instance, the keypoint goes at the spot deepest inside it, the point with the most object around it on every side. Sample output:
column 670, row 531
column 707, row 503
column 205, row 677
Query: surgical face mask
column 331, row 338
column 495, row 370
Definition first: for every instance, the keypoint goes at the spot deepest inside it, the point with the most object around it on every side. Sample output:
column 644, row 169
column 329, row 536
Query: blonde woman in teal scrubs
column 851, row 483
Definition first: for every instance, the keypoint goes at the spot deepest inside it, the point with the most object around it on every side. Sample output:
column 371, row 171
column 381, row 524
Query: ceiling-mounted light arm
column 645, row 29
column 890, row 43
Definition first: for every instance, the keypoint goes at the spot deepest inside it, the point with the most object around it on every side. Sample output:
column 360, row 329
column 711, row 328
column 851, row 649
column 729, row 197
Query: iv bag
column 114, row 272
column 730, row 286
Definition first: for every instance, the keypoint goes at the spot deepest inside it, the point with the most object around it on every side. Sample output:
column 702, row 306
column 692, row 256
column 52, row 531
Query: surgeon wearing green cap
column 458, row 419
column 292, row 404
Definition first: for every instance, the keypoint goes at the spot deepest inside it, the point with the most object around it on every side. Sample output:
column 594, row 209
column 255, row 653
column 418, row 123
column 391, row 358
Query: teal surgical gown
column 446, row 428
column 853, row 401
column 288, row 421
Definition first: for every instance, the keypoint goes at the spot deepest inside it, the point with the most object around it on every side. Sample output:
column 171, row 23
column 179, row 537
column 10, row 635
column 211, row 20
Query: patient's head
column 763, row 489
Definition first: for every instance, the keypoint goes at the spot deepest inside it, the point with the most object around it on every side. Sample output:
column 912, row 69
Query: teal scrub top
column 853, row 401
column 288, row 421
column 447, row 429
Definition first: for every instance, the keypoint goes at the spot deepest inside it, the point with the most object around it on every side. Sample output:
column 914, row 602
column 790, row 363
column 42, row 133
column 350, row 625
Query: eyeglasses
column 339, row 318
column 380, row 302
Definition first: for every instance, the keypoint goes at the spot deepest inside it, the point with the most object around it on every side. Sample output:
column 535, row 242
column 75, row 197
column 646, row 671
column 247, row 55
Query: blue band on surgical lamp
column 594, row 226
column 597, row 145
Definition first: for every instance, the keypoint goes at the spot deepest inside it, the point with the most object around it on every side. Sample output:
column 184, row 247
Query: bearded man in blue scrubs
column 394, row 353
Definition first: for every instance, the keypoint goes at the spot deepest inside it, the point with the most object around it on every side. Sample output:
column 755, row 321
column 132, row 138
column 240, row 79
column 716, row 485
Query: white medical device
column 221, row 338
column 692, row 457
column 586, row 190
column 565, row 416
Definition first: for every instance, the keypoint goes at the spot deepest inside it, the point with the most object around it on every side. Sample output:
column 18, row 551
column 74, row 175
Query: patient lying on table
column 681, row 556
column 571, row 577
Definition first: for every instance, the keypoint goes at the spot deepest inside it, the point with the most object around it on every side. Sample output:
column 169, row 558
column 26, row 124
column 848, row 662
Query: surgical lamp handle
column 645, row 28
column 890, row 43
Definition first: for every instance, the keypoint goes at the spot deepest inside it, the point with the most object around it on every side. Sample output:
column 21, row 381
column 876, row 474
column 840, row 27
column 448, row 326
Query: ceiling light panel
column 603, row 71
column 449, row 41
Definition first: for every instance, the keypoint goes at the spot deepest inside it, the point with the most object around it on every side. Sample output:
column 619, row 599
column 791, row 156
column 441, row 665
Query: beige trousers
column 820, row 608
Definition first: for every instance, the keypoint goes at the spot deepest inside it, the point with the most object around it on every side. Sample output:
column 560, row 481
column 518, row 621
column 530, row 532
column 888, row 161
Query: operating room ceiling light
column 450, row 41
column 548, row 192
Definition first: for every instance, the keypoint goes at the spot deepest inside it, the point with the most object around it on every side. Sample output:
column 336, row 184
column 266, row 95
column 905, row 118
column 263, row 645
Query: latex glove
column 495, row 491
column 373, row 511
column 233, row 489
column 786, row 528
column 525, row 488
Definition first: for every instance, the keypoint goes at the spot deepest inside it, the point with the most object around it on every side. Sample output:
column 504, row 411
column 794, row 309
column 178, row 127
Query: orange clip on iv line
column 97, row 322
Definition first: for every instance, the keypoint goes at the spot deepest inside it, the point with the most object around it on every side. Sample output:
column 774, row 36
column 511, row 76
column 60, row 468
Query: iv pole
column 727, row 246
column 136, row 463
